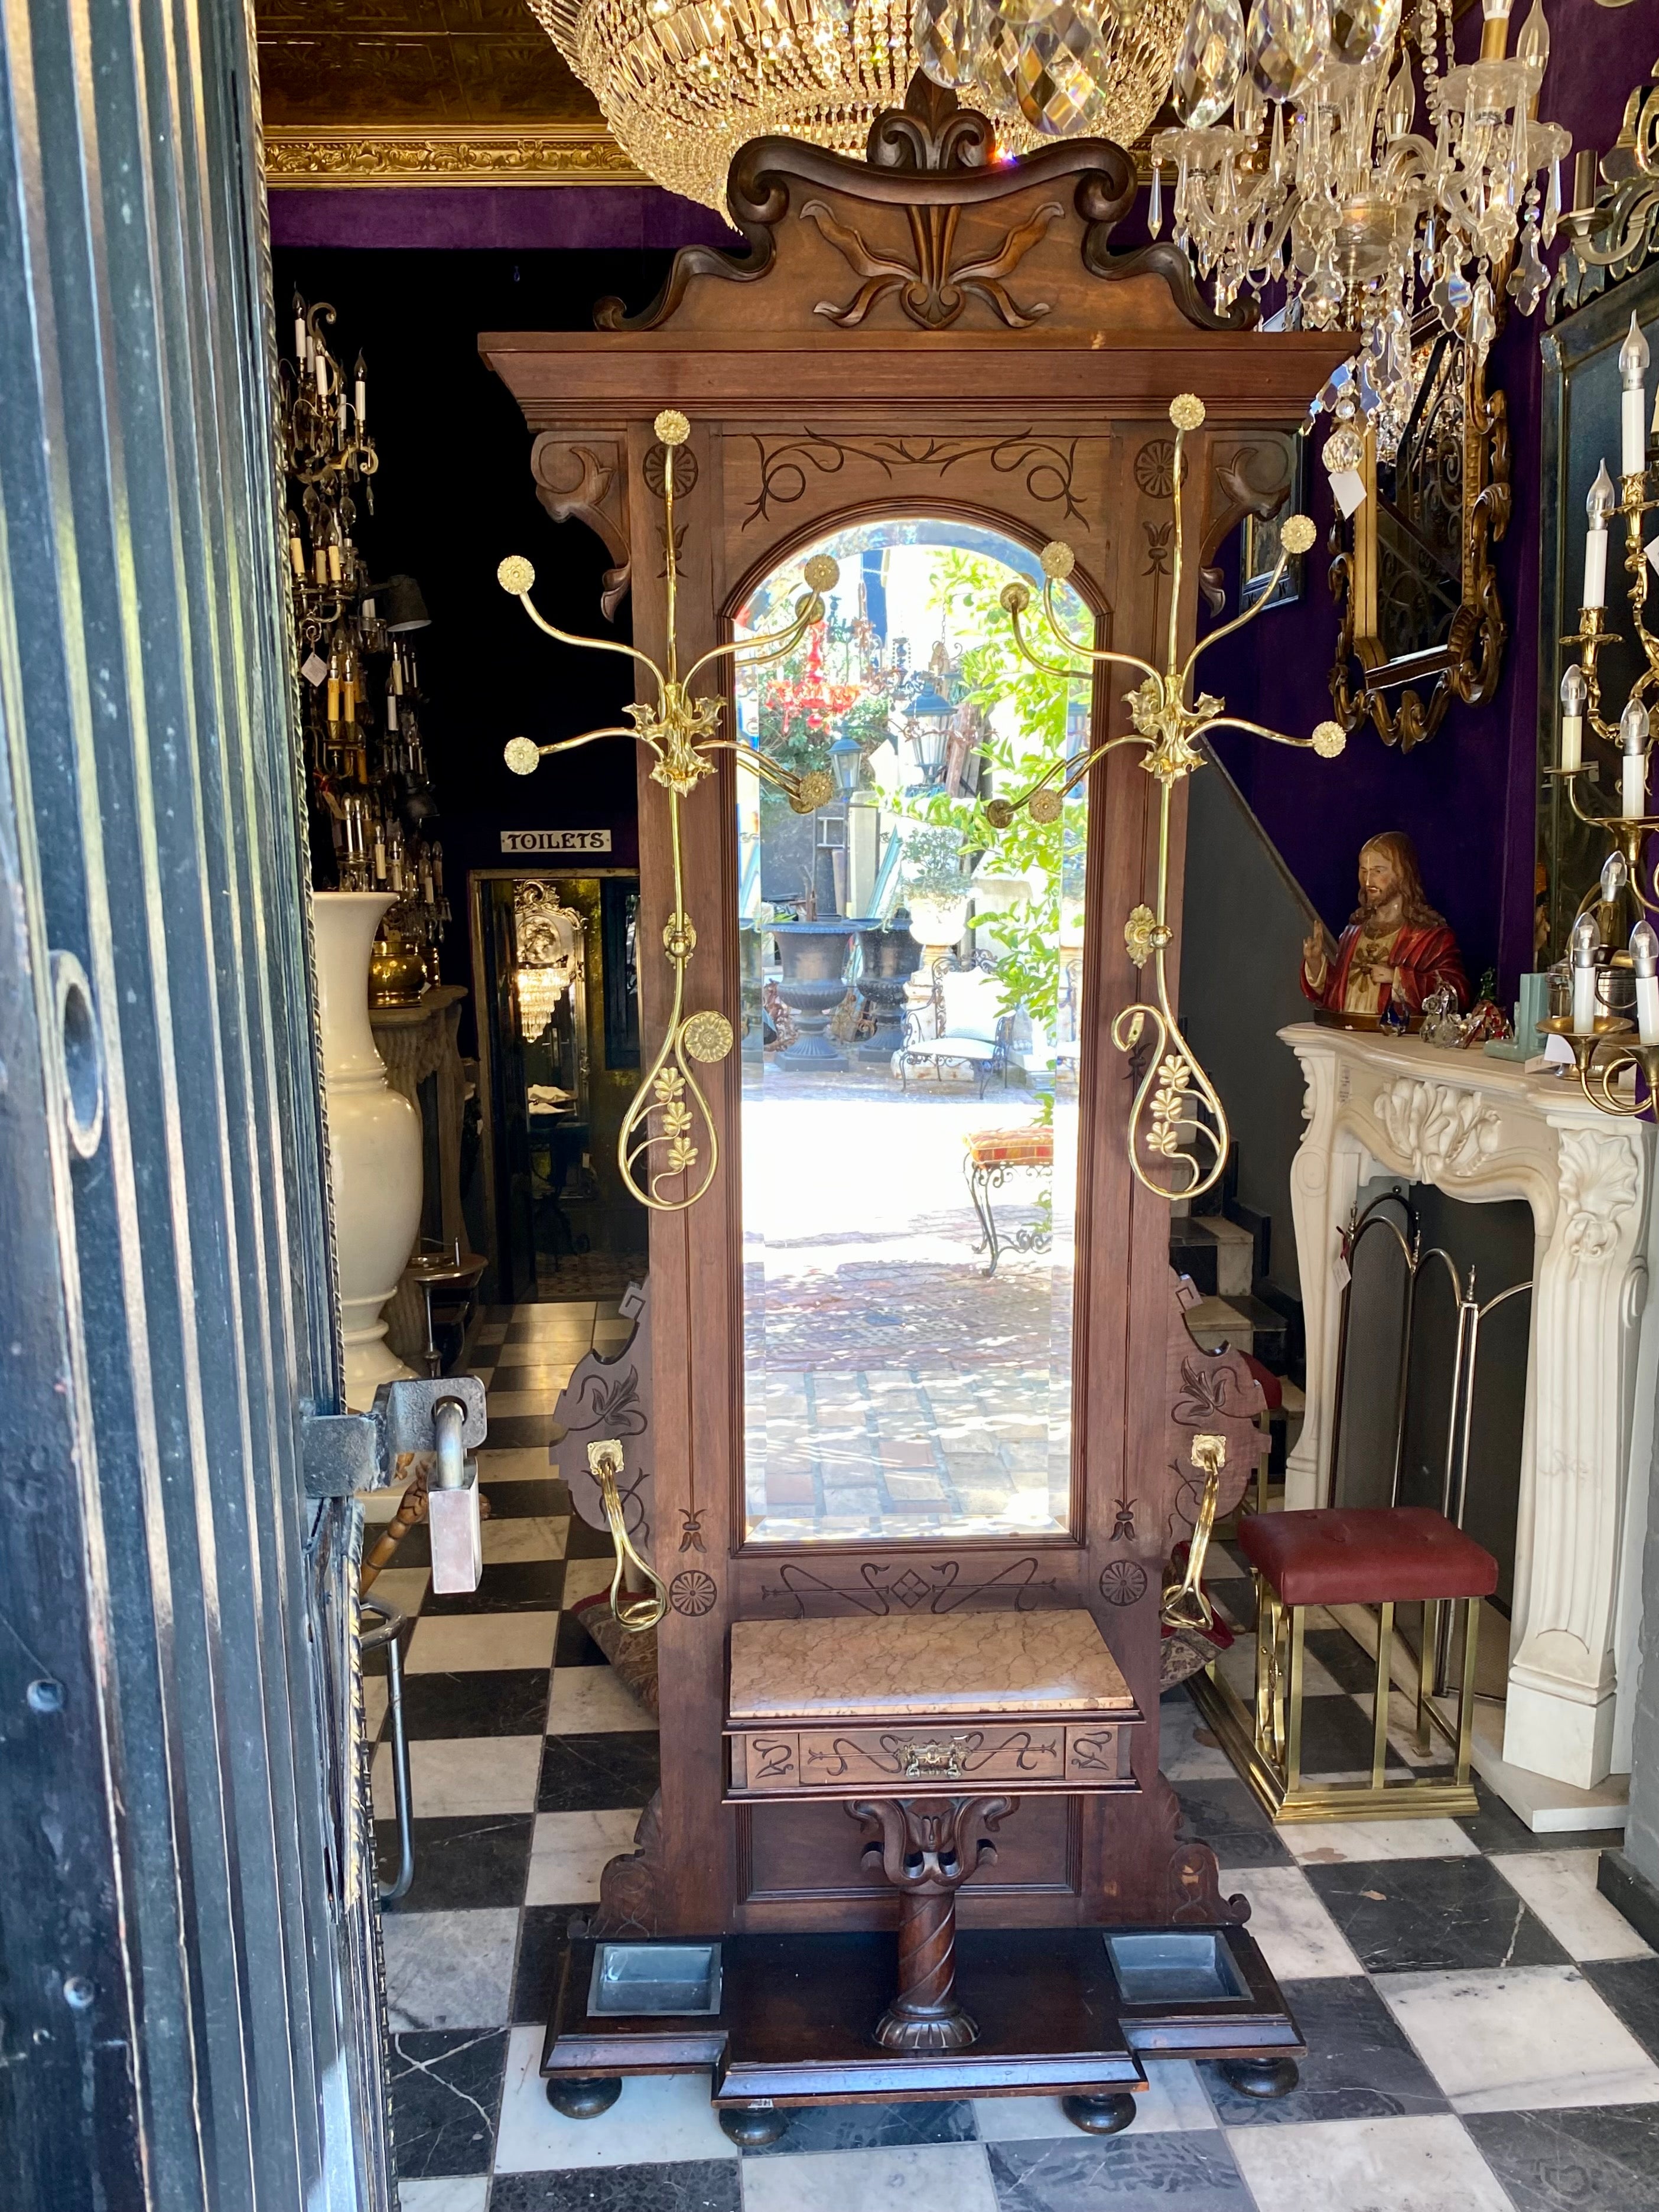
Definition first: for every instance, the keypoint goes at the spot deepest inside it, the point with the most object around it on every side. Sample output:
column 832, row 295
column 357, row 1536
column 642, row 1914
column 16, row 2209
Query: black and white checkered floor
column 1483, row 2027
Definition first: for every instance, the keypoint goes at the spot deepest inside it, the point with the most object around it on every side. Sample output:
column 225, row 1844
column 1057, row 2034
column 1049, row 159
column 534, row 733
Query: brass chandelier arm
column 1257, row 730
column 1596, row 1078
column 588, row 737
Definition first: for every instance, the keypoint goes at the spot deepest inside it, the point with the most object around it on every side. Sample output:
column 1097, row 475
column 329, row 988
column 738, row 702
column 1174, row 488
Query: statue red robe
column 1425, row 959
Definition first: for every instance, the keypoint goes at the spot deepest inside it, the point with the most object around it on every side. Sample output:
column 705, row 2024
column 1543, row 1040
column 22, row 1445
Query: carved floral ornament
column 1437, row 1131
column 1598, row 1188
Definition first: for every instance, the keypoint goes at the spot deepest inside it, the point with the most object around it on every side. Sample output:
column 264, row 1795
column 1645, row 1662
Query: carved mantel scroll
column 1483, row 1130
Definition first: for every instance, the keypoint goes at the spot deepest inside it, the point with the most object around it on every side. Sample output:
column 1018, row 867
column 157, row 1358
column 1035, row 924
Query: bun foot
column 583, row 2096
column 1261, row 2077
column 751, row 2127
column 1099, row 2115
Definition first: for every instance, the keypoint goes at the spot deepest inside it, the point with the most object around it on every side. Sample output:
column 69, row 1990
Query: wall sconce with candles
column 1602, row 1041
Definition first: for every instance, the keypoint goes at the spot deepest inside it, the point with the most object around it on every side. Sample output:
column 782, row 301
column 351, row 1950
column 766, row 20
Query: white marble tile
column 1425, row 2164
column 568, row 1851
column 1181, row 1756
column 1173, row 2099
column 1520, row 2039
column 594, row 1701
column 656, row 2119
column 1298, row 1938
column 564, row 1350
column 547, row 1313
column 449, row 1969
column 381, row 1505
column 404, row 1588
column 449, row 2193
column 525, row 1536
column 585, row 1578
column 491, row 1332
column 461, row 1643
column 506, row 1403
column 1345, row 1843
column 920, row 2178
column 376, row 1694
column 448, row 1776
column 1560, row 1887
column 522, row 1463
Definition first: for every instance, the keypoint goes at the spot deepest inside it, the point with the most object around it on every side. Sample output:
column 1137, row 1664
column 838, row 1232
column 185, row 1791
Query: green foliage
column 1026, row 940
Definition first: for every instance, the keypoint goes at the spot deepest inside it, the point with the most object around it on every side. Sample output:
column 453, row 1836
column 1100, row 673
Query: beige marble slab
column 965, row 1663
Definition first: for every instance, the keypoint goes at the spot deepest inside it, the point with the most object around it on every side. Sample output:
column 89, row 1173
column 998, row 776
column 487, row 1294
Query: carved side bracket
column 585, row 480
column 1255, row 477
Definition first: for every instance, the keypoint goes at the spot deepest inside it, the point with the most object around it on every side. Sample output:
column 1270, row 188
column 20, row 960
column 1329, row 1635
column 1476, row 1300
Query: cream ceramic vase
column 373, row 1142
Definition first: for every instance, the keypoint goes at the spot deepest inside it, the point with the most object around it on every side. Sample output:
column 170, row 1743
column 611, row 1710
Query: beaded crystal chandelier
column 684, row 83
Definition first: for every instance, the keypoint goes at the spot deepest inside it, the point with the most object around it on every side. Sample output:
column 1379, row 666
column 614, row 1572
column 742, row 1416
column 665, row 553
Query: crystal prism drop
column 949, row 36
column 1529, row 279
column 1208, row 66
column 999, row 61
column 1483, row 318
column 1362, row 31
column 1279, row 45
column 1056, row 78
column 1552, row 204
column 1155, row 206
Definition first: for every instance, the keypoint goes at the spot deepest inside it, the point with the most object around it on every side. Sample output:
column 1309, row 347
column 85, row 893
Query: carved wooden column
column 927, row 1847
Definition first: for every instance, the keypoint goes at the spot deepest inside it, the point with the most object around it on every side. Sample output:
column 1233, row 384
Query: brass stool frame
column 1265, row 1746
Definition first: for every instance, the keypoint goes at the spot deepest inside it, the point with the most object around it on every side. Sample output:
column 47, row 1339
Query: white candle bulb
column 1575, row 695
column 1614, row 876
column 1586, row 943
column 1633, row 358
column 1634, row 739
column 1598, row 505
column 1644, row 959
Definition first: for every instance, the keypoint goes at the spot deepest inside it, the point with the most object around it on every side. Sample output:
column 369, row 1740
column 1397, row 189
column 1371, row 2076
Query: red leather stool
column 1402, row 1555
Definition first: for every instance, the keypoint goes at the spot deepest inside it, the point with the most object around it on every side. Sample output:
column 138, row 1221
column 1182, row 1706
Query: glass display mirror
column 912, row 982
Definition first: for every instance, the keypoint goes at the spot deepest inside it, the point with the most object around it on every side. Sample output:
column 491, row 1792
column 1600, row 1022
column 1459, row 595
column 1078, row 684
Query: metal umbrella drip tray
column 1174, row 1966
column 638, row 1979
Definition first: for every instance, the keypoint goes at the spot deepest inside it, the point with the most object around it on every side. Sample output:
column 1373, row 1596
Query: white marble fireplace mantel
column 1481, row 1128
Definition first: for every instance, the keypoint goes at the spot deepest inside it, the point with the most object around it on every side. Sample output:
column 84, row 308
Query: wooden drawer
column 786, row 1759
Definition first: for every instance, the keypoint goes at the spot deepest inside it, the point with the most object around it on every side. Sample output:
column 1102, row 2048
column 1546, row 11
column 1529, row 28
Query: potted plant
column 936, row 885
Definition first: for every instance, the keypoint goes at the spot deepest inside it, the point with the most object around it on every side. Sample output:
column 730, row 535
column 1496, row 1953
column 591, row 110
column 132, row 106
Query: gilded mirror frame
column 1463, row 462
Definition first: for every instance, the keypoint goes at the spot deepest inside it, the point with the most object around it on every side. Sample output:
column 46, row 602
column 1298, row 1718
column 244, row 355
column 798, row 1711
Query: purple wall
column 521, row 218
column 1468, row 796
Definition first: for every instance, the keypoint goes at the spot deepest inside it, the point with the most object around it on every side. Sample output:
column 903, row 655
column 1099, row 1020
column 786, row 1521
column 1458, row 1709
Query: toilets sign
column 555, row 841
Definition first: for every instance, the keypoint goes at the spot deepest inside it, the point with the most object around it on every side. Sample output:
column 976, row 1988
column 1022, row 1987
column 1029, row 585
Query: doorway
column 556, row 986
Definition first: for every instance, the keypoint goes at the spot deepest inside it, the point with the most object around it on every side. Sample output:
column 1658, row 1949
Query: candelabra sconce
column 1600, row 1037
column 668, row 1135
column 1176, row 1106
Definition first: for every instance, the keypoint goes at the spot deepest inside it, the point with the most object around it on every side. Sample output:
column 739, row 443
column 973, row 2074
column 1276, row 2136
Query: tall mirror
column 912, row 983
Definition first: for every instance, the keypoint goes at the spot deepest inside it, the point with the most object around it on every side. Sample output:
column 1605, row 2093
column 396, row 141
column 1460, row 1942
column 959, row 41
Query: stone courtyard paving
column 893, row 1388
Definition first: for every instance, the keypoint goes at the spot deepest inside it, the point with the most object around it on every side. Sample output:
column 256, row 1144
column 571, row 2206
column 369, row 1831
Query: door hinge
column 348, row 1452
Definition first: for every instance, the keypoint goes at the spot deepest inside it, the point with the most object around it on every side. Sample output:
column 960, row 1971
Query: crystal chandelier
column 1320, row 182
column 684, row 83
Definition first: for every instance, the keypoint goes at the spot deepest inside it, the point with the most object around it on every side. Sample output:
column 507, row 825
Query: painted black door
column 190, row 2002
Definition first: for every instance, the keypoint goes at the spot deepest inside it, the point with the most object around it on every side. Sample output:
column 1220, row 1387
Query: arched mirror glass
column 912, row 1017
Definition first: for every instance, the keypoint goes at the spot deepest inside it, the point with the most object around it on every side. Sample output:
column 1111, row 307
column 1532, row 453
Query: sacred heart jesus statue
column 1395, row 950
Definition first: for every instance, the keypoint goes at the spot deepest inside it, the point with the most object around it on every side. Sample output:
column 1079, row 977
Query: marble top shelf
column 1045, row 1664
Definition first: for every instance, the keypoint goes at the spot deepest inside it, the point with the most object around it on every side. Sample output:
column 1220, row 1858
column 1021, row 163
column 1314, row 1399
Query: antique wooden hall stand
column 934, row 333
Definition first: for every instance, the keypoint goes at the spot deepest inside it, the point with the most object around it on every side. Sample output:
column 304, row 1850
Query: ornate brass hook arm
column 517, row 578
column 604, row 1464
column 1185, row 1605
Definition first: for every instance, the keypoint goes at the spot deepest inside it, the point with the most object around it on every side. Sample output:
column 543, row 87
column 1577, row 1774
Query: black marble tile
column 574, row 1647
column 494, row 1701
column 1497, row 1827
column 1630, row 1986
column 515, row 1500
column 522, row 1431
column 598, row 1773
column 1596, row 2159
column 701, row 2184
column 1130, row 2173
column 1359, row 2065
column 1336, row 1739
column 1432, row 1916
column 464, row 1862
column 1341, row 1658
column 544, row 1938
column 871, row 2127
column 445, row 2098
column 516, row 1586
column 1225, row 1815
column 583, row 1542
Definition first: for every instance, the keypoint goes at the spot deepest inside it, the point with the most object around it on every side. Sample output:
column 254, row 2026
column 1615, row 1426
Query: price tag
column 1348, row 489
column 314, row 669
column 1342, row 1272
